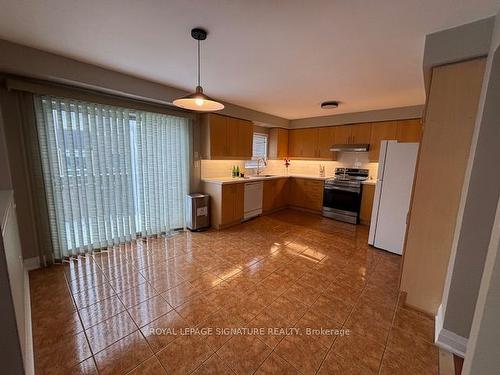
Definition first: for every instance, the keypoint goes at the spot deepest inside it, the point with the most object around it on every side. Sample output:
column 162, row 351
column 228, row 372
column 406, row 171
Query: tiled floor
column 129, row 310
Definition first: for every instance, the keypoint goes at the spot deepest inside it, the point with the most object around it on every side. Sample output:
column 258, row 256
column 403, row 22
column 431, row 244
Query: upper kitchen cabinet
column 342, row 134
column 278, row 143
column 361, row 133
column 409, row 130
column 401, row 130
column 326, row 138
column 226, row 137
column 381, row 131
column 311, row 143
column 303, row 143
column 244, row 140
column 353, row 134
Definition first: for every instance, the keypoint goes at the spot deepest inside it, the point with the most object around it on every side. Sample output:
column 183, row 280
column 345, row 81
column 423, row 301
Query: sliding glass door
column 110, row 173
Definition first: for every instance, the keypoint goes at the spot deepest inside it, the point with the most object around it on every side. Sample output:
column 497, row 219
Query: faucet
column 258, row 165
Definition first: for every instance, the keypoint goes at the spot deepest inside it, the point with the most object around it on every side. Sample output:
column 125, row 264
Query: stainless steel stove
column 342, row 194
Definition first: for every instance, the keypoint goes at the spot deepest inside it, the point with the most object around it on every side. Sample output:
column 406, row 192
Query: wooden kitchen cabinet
column 342, row 134
column 303, row 143
column 281, row 193
column 233, row 200
column 381, row 131
column 274, row 195
column 217, row 136
column 326, row 138
column 278, row 143
column 244, row 139
column 409, row 130
column 352, row 134
column 367, row 195
column 306, row 193
column 294, row 142
column 312, row 143
column 268, row 196
column 226, row 137
column 226, row 203
column 360, row 133
column 307, row 143
column 401, row 130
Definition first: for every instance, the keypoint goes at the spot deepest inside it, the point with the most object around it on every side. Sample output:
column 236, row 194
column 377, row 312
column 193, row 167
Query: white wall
column 477, row 209
column 483, row 350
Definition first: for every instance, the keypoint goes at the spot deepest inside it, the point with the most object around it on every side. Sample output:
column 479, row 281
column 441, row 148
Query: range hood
column 360, row 147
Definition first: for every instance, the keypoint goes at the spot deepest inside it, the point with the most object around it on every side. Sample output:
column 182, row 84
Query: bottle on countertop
column 233, row 171
column 321, row 170
column 237, row 171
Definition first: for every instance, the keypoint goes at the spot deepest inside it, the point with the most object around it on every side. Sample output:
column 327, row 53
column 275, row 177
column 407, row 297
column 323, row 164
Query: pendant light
column 198, row 101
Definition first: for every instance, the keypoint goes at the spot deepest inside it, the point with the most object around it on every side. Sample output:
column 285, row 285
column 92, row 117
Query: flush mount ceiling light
column 198, row 101
column 332, row 104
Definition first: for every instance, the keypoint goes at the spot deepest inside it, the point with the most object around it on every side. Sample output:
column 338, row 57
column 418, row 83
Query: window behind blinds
column 110, row 173
column 259, row 149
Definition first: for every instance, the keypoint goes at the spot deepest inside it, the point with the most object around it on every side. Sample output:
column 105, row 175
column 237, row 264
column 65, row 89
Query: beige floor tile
column 289, row 269
column 179, row 294
column 305, row 353
column 61, row 355
column 415, row 323
column 124, row 355
column 244, row 354
column 336, row 365
column 151, row 366
column 358, row 349
column 86, row 367
column 335, row 308
column 275, row 365
column 95, row 294
column 137, row 294
column 101, row 311
column 196, row 310
column 109, row 331
column 185, row 354
column 162, row 331
column 132, row 279
column 213, row 366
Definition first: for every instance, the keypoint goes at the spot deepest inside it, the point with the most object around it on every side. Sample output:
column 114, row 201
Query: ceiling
column 279, row 57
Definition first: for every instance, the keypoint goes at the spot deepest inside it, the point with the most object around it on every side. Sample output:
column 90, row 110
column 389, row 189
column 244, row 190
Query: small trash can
column 197, row 211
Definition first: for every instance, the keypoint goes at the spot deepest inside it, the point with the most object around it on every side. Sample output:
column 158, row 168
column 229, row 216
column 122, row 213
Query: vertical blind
column 259, row 146
column 259, row 149
column 110, row 173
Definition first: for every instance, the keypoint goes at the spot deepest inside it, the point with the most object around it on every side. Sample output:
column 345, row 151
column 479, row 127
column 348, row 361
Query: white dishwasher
column 253, row 199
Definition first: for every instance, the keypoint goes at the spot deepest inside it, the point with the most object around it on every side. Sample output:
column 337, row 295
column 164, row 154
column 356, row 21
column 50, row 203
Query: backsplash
column 222, row 168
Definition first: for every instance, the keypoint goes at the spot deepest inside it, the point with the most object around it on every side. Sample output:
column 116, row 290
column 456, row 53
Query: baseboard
column 29, row 362
column 308, row 210
column 446, row 339
column 32, row 263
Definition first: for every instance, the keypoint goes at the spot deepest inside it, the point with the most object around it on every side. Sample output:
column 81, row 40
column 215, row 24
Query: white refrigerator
column 391, row 203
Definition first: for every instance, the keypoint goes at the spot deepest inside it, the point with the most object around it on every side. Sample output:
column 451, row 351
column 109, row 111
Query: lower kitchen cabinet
column 306, row 193
column 275, row 194
column 226, row 203
column 227, row 200
column 367, row 196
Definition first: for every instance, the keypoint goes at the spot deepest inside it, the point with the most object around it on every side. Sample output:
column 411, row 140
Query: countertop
column 238, row 180
column 369, row 182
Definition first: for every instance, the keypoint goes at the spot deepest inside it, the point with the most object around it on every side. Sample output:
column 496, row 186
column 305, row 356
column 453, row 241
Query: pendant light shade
column 198, row 101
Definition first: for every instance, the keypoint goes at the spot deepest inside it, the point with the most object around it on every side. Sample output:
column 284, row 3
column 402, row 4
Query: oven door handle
column 352, row 190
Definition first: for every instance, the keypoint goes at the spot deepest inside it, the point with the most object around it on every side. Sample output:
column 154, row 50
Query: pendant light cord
column 198, row 62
